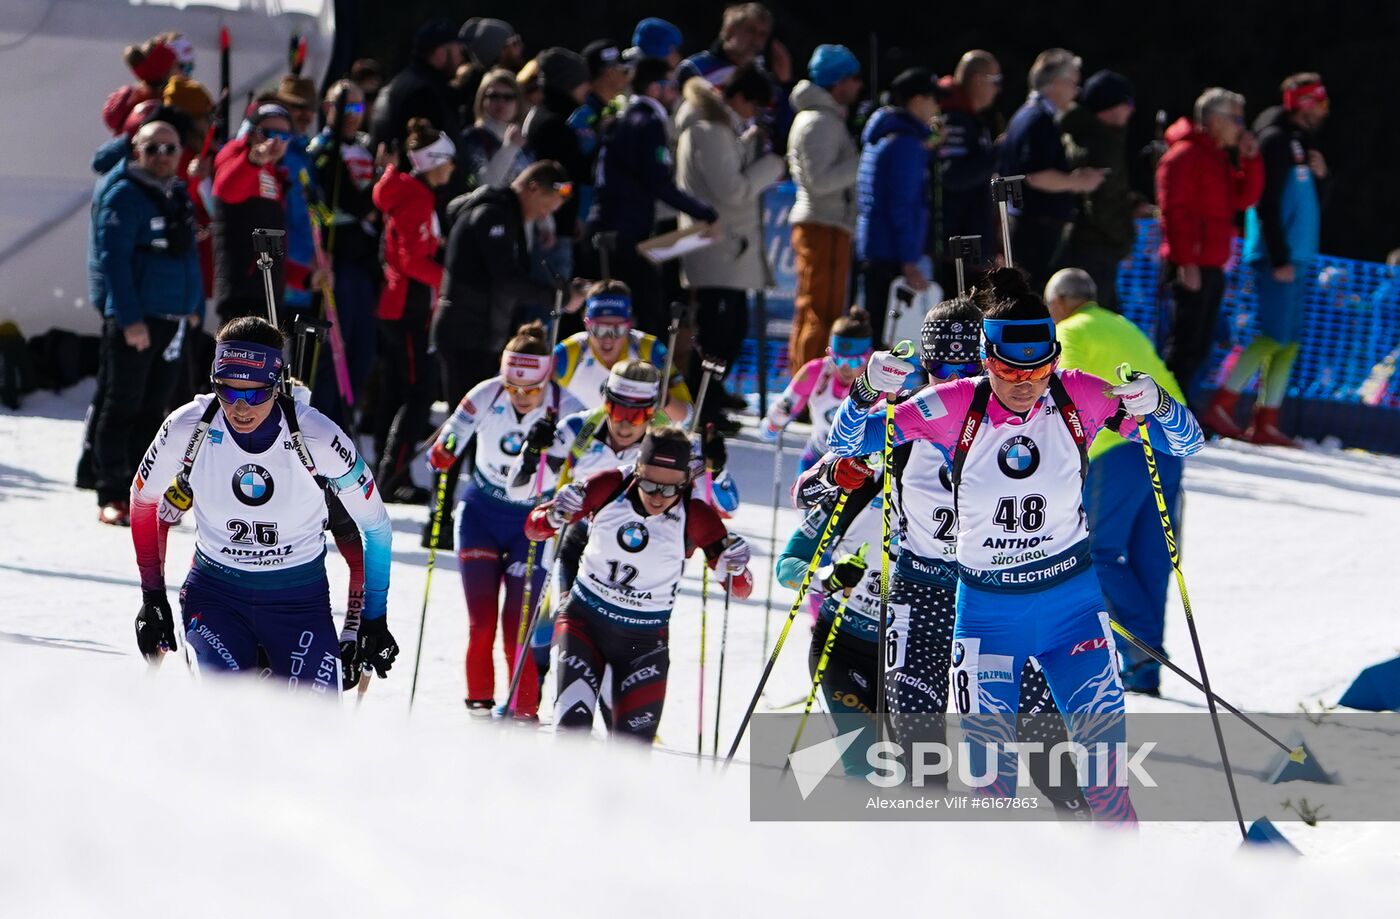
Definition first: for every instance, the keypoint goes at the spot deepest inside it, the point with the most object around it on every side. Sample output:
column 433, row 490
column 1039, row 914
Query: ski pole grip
column 903, row 350
column 1124, row 372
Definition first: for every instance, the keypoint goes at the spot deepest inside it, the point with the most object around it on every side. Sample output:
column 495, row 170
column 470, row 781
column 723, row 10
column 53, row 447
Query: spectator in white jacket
column 720, row 161
column 823, row 157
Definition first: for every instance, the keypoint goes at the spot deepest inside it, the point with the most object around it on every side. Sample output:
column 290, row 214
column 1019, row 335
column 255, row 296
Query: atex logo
column 1112, row 763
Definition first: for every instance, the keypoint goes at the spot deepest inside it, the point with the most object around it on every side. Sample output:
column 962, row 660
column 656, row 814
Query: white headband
column 521, row 369
column 632, row 390
column 435, row 154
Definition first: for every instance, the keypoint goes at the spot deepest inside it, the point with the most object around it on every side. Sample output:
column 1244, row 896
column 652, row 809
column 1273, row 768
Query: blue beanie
column 656, row 38
column 830, row 64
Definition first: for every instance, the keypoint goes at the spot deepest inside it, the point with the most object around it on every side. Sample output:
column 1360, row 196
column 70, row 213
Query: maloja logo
column 252, row 485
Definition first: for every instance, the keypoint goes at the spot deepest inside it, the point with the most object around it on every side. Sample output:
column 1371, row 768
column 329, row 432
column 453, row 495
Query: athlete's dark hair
column 1005, row 295
column 670, row 434
column 963, row 308
column 751, row 83
column 855, row 324
column 254, row 329
column 600, row 288
column 529, row 339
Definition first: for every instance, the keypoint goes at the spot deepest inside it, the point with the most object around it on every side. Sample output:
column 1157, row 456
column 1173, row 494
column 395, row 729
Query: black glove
column 847, row 571
column 541, row 433
column 349, row 663
column 716, row 454
column 377, row 647
column 155, row 626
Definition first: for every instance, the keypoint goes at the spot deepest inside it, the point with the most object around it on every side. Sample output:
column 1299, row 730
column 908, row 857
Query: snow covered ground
column 123, row 792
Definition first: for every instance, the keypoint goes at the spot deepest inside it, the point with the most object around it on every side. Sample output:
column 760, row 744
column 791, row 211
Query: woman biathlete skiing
column 1017, row 441
column 644, row 523
column 491, row 422
column 820, row 384
column 260, row 464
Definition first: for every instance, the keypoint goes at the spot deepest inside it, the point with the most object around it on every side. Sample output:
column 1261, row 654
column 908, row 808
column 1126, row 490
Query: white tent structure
column 60, row 59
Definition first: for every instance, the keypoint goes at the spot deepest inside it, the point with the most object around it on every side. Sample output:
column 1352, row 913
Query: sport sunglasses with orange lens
column 565, row 189
column 1017, row 374
column 524, row 390
column 638, row 415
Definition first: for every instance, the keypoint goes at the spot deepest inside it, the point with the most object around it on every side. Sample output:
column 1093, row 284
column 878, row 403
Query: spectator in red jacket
column 412, row 275
column 1211, row 172
column 152, row 63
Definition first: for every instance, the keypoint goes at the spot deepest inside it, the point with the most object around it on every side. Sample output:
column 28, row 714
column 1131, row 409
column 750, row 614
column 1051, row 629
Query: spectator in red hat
column 1211, row 172
column 152, row 62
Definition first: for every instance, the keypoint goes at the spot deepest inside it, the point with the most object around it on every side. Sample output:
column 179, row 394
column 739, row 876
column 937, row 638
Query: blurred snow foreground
column 122, row 795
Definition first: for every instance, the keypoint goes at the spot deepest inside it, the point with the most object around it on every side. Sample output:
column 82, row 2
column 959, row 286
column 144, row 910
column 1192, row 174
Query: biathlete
column 820, row 384
column 1017, row 438
column 582, row 361
column 490, row 425
column 261, row 465
column 644, row 523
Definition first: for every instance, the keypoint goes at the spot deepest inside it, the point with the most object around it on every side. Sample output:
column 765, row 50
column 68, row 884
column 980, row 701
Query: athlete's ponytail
column 529, row 339
column 854, row 324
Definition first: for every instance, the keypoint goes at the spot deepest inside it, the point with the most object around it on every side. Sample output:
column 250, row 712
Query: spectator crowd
column 487, row 183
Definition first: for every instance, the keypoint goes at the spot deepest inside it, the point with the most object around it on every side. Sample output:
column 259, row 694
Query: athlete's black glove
column 847, row 571
column 716, row 453
column 349, row 663
column 155, row 626
column 541, row 433
column 377, row 647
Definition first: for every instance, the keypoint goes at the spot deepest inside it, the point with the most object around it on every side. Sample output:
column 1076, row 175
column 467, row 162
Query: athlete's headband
column 666, row 454
column 949, row 341
column 850, row 346
column 1021, row 342
column 520, row 369
column 1299, row 97
column 631, row 393
column 435, row 154
column 247, row 360
column 612, row 305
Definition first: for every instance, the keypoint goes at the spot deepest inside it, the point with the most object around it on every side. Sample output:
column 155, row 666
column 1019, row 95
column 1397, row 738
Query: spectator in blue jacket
column 1032, row 147
column 892, row 192
column 144, row 235
column 655, row 38
column 635, row 170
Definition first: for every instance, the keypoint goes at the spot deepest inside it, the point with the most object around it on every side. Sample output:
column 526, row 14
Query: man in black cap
column 487, row 43
column 1095, row 133
column 564, row 76
column 607, row 78
column 421, row 89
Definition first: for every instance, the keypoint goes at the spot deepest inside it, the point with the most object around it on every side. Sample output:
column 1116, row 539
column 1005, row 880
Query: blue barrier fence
column 1344, row 383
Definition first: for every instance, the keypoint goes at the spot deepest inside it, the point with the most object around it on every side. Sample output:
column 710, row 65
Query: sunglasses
column 565, row 189
column 160, row 149
column 656, row 488
column 256, row 396
column 500, row 97
column 518, row 390
column 283, row 136
column 853, row 362
column 353, row 108
column 632, row 414
column 1017, row 374
column 943, row 370
column 607, row 329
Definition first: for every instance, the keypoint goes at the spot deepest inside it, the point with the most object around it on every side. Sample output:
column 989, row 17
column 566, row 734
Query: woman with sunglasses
column 493, row 148
column 412, row 276
column 1017, row 440
column 258, row 580
column 643, row 523
column 582, row 361
column 491, row 423
column 924, row 574
column 820, row 384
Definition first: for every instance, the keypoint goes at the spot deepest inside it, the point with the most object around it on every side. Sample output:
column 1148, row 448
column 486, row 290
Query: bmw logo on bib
column 633, row 537
column 959, row 652
column 945, row 478
column 512, row 443
column 1019, row 457
column 252, row 485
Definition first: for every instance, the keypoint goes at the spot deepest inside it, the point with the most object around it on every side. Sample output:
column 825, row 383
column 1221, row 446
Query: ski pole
column 773, row 538
column 902, row 350
column 529, row 614
column 827, row 647
column 965, row 249
column 1296, row 754
column 787, row 626
column 723, row 646
column 677, row 311
column 450, row 444
column 1124, row 375
column 713, row 368
column 342, row 367
column 700, row 699
column 1004, row 188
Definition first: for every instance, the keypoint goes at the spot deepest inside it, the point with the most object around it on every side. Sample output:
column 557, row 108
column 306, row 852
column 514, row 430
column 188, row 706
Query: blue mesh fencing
column 1346, row 369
